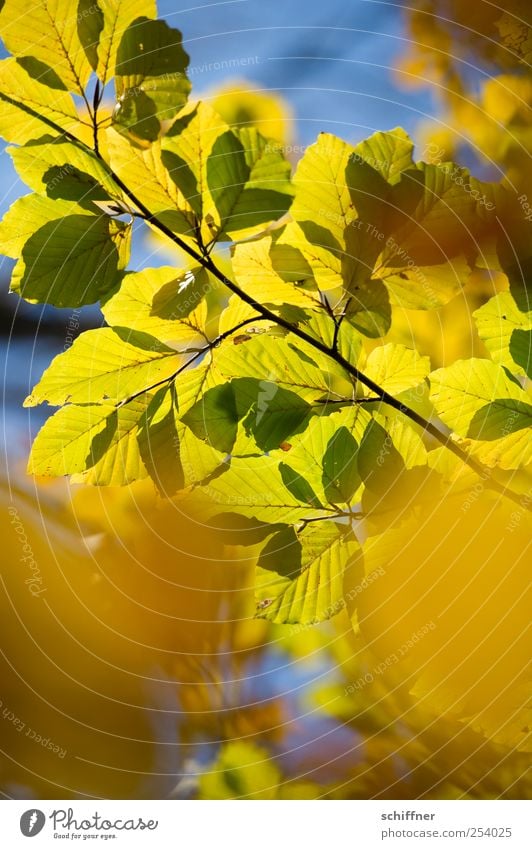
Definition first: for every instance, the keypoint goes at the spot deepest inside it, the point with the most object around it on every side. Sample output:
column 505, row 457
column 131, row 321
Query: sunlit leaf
column 236, row 182
column 507, row 333
column 150, row 78
column 104, row 365
column 27, row 105
column 50, row 35
column 165, row 302
column 117, row 16
column 98, row 442
column 84, row 264
column 147, row 178
column 252, row 487
column 300, row 574
column 396, row 368
column 479, row 399
column 388, row 153
column 255, row 274
column 61, row 169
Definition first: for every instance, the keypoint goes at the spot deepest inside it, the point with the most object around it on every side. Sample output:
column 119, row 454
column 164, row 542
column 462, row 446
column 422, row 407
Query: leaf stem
column 214, row 344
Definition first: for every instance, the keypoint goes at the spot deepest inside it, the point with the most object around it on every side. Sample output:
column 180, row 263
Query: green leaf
column 324, row 456
column 388, row 153
column 173, row 456
column 236, row 182
column 27, row 105
column 279, row 383
column 264, row 193
column 339, row 198
column 300, row 574
column 405, row 437
column 50, row 35
column 290, row 364
column 369, row 309
column 158, row 441
column 90, row 22
column 396, row 368
column 507, row 333
column 392, row 462
column 150, row 78
column 256, row 275
column 63, row 170
column 237, row 311
column 479, row 399
column 424, row 287
column 27, row 215
column 117, row 17
column 147, row 178
column 251, row 487
column 97, row 443
column 511, row 451
column 340, row 469
column 214, row 418
column 102, row 365
column 322, row 193
column 298, row 486
column 72, row 261
column 348, row 340
column 167, row 303
column 271, row 413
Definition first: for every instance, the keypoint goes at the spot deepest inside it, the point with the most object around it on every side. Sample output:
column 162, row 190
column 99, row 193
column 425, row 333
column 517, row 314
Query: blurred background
column 130, row 666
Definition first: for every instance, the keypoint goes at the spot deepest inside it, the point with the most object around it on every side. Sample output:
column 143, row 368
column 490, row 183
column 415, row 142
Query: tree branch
column 204, row 258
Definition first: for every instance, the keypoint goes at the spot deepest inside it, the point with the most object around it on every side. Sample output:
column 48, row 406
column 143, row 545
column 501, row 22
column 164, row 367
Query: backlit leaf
column 478, row 399
column 49, row 34
column 150, row 78
column 117, row 16
column 300, row 574
column 73, row 260
column 507, row 333
column 96, row 442
column 165, row 302
column 27, row 105
column 102, row 365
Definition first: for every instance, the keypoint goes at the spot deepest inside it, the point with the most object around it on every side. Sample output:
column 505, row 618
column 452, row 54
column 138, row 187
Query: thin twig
column 214, row 344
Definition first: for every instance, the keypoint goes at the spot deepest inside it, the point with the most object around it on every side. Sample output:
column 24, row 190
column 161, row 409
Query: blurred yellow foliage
column 241, row 104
